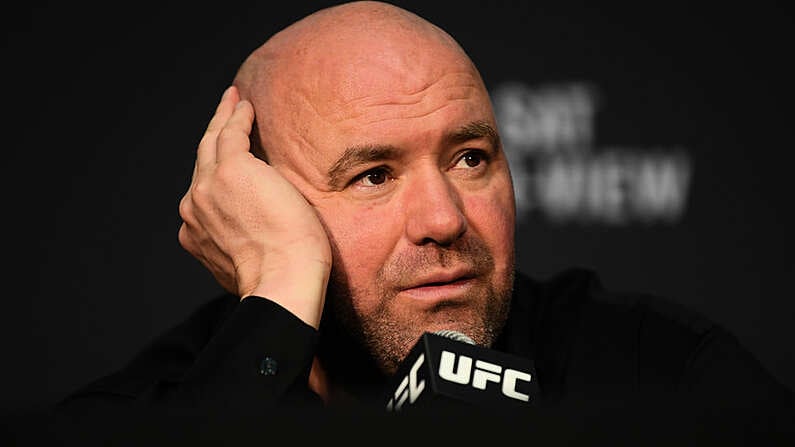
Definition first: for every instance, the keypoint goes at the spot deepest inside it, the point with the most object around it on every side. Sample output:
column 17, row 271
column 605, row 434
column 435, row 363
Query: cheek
column 491, row 215
column 362, row 236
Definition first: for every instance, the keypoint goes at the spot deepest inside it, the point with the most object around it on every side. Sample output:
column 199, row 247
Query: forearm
column 190, row 368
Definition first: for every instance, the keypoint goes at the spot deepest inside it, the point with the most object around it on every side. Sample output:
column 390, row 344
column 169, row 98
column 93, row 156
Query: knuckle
column 208, row 139
column 227, row 172
column 200, row 193
column 232, row 137
column 184, row 238
column 185, row 208
column 227, row 134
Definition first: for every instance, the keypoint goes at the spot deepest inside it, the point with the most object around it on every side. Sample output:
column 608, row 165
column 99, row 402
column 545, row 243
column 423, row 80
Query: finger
column 205, row 154
column 185, row 208
column 184, row 238
column 224, row 109
column 233, row 139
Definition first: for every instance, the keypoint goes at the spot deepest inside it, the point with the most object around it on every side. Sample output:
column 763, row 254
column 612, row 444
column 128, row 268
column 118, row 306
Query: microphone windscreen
column 455, row 335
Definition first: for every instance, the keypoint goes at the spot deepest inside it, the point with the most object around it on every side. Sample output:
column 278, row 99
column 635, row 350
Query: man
column 351, row 193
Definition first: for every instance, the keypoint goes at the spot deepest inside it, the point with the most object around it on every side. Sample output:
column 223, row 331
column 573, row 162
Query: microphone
column 446, row 369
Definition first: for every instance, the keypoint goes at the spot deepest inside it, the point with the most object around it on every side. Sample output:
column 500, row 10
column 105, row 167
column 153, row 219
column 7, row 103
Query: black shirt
column 607, row 364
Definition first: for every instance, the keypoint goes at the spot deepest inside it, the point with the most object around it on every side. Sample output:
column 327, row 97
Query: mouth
column 441, row 286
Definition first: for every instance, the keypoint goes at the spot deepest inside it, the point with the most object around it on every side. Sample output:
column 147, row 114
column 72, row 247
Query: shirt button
column 268, row 366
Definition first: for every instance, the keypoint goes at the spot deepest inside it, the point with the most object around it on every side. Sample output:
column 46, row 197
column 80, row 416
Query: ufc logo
column 484, row 372
column 410, row 387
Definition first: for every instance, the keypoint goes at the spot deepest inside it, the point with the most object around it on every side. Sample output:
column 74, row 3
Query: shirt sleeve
column 229, row 363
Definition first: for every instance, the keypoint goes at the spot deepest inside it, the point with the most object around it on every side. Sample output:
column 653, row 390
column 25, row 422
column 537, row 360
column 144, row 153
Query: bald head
column 383, row 124
column 352, row 54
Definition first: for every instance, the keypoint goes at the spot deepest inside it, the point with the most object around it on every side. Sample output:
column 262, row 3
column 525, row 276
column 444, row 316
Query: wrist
column 299, row 287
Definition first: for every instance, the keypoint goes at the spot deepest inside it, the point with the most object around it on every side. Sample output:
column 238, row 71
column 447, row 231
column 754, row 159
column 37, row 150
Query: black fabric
column 610, row 366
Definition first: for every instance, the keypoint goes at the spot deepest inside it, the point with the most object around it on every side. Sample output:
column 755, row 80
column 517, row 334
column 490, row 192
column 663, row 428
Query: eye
column 372, row 177
column 471, row 159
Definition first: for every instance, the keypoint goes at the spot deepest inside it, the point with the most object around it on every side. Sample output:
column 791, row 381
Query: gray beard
column 388, row 338
column 389, row 342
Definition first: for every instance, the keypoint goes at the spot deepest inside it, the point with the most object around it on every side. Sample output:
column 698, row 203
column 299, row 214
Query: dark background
column 107, row 101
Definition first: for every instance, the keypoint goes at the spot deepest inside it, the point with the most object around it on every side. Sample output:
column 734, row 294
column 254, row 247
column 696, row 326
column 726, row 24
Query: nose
column 434, row 211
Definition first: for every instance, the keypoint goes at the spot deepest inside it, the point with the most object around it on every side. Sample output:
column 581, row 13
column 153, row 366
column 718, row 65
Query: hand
column 248, row 225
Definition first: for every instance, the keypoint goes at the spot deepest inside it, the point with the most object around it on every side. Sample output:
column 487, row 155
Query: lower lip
column 440, row 292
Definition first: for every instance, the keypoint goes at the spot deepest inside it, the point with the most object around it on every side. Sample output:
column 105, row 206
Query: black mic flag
column 445, row 369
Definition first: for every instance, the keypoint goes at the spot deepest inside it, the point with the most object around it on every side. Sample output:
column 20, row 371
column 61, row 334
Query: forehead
column 390, row 94
column 397, row 116
column 380, row 100
column 397, row 126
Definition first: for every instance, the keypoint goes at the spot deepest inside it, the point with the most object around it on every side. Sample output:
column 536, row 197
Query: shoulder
column 596, row 341
column 579, row 292
column 608, row 348
column 577, row 299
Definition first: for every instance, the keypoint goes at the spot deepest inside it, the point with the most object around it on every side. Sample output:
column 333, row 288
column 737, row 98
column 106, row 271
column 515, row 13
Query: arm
column 249, row 356
column 248, row 225
column 266, row 246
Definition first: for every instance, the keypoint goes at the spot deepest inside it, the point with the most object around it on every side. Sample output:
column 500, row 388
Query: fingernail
column 240, row 103
column 226, row 92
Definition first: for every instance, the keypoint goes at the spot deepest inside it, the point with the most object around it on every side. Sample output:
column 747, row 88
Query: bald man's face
column 400, row 157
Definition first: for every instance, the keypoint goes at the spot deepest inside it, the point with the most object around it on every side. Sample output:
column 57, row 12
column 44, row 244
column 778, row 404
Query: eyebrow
column 369, row 153
column 473, row 131
column 358, row 155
